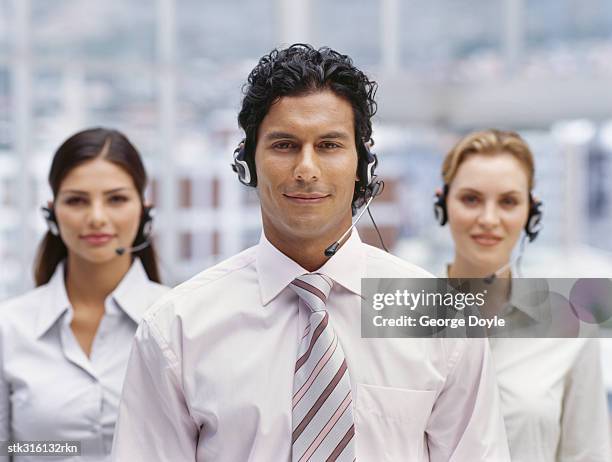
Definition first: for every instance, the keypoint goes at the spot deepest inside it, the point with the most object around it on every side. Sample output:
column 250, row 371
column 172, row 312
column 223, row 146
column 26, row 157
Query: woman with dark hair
column 551, row 389
column 64, row 346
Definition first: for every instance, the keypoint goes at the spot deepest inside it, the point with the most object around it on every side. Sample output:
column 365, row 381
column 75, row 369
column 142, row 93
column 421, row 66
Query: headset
column 244, row 166
column 48, row 214
column 367, row 188
column 533, row 225
column 144, row 230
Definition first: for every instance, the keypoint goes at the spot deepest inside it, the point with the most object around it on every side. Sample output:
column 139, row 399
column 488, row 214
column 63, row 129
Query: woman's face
column 488, row 204
column 98, row 209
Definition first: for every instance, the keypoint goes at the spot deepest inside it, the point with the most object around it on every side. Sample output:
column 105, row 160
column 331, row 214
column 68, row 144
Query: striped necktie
column 323, row 426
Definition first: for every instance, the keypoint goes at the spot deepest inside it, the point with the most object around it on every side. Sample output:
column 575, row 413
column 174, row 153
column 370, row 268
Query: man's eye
column 283, row 145
column 329, row 145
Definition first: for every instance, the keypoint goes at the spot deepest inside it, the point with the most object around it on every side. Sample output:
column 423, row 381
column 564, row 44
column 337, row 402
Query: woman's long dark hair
column 76, row 150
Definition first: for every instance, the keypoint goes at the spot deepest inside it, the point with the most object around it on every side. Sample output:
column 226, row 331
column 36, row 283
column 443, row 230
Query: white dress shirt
column 217, row 355
column 552, row 395
column 49, row 389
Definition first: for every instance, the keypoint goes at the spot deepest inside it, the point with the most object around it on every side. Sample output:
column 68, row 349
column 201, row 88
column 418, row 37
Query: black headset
column 51, row 220
column 532, row 227
column 144, row 230
column 244, row 166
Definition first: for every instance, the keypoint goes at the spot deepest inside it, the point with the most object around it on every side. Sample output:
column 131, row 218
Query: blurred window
column 71, row 30
column 437, row 33
column 349, row 27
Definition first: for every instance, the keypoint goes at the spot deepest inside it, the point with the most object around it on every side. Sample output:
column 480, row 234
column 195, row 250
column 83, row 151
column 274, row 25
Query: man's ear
column 50, row 204
column 438, row 192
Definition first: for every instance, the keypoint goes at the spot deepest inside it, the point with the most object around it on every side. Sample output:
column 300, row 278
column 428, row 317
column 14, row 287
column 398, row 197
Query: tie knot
column 313, row 289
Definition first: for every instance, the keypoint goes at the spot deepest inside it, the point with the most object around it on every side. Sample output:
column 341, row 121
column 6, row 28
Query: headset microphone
column 491, row 277
column 121, row 250
column 516, row 259
column 146, row 226
column 375, row 191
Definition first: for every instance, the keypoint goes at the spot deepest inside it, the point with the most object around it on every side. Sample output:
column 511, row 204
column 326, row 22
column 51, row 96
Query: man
column 260, row 358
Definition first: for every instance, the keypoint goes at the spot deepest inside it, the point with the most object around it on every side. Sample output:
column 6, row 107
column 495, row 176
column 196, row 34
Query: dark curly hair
column 298, row 70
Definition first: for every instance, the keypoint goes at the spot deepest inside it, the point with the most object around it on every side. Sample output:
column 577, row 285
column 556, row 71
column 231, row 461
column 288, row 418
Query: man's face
column 306, row 161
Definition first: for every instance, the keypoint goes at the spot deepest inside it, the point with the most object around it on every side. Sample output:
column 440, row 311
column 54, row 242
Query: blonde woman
column 551, row 390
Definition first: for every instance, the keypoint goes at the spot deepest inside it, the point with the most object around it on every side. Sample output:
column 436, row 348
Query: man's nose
column 307, row 167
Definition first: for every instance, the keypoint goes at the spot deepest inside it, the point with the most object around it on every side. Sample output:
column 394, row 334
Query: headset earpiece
column 144, row 231
column 533, row 226
column 146, row 223
column 243, row 166
column 366, row 184
column 49, row 216
column 439, row 206
column 366, row 167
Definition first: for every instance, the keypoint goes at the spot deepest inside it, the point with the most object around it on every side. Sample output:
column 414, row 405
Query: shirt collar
column 524, row 295
column 275, row 270
column 55, row 301
column 128, row 296
column 516, row 301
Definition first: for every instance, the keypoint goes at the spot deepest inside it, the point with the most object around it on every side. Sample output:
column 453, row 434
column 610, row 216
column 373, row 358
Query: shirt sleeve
column 5, row 404
column 5, row 401
column 585, row 431
column 466, row 422
column 154, row 422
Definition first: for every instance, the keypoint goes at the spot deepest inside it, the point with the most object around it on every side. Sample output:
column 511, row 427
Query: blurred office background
column 169, row 74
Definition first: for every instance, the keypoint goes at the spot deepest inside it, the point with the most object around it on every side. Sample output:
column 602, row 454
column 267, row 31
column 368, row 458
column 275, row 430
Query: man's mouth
column 302, row 198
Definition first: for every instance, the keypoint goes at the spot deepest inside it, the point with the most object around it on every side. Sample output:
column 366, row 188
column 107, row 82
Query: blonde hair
column 488, row 142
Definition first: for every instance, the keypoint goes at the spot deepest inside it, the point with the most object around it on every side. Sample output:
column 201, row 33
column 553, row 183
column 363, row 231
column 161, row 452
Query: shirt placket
column 93, row 405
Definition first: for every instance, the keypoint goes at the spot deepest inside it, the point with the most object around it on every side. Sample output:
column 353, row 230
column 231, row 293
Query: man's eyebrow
column 336, row 135
column 279, row 136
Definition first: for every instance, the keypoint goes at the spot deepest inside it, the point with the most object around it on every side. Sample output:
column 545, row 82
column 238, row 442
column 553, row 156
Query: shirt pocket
column 390, row 423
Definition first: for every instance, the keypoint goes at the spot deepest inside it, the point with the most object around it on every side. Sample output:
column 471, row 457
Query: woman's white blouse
column 552, row 399
column 49, row 389
column 552, row 396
